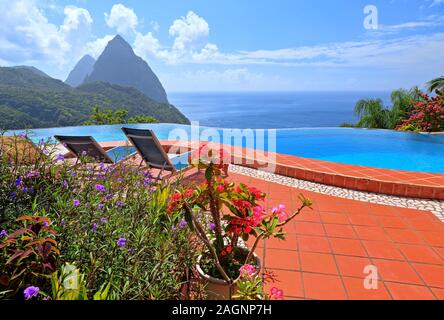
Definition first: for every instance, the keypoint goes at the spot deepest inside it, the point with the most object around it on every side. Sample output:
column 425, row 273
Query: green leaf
column 189, row 219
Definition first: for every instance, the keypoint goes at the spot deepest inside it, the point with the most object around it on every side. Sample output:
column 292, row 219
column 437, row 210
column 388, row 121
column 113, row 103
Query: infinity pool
column 375, row 148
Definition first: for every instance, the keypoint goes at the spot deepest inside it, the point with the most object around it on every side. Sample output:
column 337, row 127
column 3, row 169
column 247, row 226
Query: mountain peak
column 82, row 69
column 87, row 57
column 118, row 42
column 118, row 64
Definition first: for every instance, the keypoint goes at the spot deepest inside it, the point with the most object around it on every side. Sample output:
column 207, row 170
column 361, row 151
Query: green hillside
column 31, row 100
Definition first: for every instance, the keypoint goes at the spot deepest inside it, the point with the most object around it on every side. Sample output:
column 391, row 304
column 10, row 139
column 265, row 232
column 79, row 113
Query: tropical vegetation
column 88, row 232
column 120, row 116
column 411, row 110
column 436, row 85
column 374, row 115
column 427, row 115
column 93, row 231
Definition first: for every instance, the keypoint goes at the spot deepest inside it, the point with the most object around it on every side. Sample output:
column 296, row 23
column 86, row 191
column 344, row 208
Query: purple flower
column 32, row 174
column 45, row 224
column 100, row 187
column 25, row 190
column 74, row 174
column 60, row 157
column 76, row 203
column 146, row 181
column 100, row 206
column 18, row 182
column 131, row 251
column 108, row 197
column 120, row 204
column 121, row 242
column 13, row 195
column 45, row 152
column 31, row 292
column 211, row 226
column 153, row 189
column 103, row 220
column 94, row 227
column 83, row 153
column 62, row 223
column 182, row 224
column 65, row 184
column 3, row 233
column 173, row 228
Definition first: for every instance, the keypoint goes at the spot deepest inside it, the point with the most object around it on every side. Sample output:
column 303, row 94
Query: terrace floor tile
column 323, row 287
column 318, row 263
column 327, row 249
column 357, row 291
column 402, row 291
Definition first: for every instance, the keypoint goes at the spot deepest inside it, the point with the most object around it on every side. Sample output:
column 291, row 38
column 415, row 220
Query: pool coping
column 400, row 183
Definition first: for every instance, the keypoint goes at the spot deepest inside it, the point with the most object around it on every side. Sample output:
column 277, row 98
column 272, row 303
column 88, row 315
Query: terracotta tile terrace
column 327, row 248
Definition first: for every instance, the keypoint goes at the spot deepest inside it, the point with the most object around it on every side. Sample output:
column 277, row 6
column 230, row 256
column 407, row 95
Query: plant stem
column 202, row 236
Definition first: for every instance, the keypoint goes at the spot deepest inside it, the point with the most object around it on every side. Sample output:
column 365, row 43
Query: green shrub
column 108, row 221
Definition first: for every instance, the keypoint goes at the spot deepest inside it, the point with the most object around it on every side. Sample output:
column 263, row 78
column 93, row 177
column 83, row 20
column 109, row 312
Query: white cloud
column 27, row 35
column 388, row 53
column 121, row 18
column 146, row 46
column 76, row 28
column 431, row 21
column 96, row 47
column 190, row 32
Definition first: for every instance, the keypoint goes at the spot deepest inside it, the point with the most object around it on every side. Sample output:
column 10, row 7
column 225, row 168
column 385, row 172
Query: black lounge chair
column 88, row 147
column 152, row 152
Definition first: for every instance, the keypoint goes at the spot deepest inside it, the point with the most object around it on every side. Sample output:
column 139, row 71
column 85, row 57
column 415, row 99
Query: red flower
column 242, row 205
column 256, row 193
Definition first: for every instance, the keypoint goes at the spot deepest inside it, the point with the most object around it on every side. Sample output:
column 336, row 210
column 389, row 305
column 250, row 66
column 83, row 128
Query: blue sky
column 237, row 45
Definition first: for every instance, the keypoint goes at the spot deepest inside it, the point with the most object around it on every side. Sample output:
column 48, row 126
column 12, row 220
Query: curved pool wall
column 374, row 148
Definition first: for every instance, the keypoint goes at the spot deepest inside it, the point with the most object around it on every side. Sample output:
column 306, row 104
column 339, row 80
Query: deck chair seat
column 152, row 152
column 87, row 146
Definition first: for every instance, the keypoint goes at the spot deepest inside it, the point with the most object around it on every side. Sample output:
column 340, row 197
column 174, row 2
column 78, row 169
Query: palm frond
column 436, row 84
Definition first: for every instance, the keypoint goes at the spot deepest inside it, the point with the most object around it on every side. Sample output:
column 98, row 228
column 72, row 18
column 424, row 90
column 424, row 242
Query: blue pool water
column 375, row 148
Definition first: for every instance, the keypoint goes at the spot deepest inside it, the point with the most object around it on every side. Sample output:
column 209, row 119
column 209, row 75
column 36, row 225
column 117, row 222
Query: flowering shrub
column 427, row 115
column 29, row 254
column 235, row 212
column 251, row 286
column 109, row 221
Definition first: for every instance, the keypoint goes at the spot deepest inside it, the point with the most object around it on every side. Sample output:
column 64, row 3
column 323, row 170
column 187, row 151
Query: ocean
column 268, row 110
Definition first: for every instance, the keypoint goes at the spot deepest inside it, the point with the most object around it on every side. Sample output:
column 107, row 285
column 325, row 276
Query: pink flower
column 258, row 215
column 247, row 270
column 280, row 212
column 276, row 294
